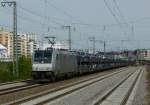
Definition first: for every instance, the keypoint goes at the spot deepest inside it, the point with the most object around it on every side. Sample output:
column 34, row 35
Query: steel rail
column 113, row 90
column 17, row 89
column 63, row 88
column 13, row 82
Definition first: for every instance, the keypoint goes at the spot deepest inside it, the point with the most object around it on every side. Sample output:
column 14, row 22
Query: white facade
column 26, row 44
column 3, row 52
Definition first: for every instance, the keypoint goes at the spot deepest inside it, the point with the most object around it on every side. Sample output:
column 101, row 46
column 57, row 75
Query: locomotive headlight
column 48, row 68
column 35, row 69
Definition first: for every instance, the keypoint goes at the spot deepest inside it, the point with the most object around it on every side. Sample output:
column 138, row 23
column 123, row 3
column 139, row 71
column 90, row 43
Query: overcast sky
column 109, row 20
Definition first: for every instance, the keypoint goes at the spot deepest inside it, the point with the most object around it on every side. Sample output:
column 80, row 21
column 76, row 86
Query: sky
column 123, row 24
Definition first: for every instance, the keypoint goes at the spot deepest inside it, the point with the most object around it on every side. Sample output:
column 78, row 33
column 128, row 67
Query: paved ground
column 13, row 85
column 140, row 97
column 87, row 95
column 24, row 93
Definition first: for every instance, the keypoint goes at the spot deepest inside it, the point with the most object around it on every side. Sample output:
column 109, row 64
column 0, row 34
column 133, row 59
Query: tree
column 25, row 67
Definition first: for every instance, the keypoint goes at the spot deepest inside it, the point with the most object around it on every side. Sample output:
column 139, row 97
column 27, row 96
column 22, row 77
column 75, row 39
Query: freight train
column 51, row 64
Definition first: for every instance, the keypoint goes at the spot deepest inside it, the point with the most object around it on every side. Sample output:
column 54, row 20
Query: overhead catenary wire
column 36, row 22
column 20, row 29
column 114, row 15
column 111, row 11
column 107, row 25
column 27, row 19
column 78, row 23
column 86, row 24
column 118, row 8
column 120, row 13
column 93, row 25
column 65, row 13
column 39, row 15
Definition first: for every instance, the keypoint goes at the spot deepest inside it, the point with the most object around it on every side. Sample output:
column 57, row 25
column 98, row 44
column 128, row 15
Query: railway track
column 11, row 87
column 51, row 95
column 19, row 88
column 16, row 84
column 13, row 82
column 15, row 93
column 120, row 94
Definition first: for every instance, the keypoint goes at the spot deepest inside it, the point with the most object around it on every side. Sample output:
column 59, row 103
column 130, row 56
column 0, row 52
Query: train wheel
column 53, row 78
column 69, row 75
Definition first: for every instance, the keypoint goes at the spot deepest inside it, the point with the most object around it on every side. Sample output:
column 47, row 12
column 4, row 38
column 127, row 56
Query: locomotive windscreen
column 43, row 56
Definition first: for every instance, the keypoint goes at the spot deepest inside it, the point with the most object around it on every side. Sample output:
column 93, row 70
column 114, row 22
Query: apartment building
column 26, row 43
column 145, row 53
column 4, row 38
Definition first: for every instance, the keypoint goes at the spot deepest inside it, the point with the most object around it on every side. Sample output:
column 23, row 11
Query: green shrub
column 24, row 66
column 5, row 74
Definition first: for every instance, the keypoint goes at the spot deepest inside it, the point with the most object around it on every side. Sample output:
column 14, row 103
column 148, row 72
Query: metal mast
column 69, row 35
column 92, row 39
column 15, row 53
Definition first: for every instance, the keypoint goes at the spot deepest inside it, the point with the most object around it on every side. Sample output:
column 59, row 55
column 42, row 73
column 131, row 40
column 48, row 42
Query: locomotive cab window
column 43, row 56
column 47, row 56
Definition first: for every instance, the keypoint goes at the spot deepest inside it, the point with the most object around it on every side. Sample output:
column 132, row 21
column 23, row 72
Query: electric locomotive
column 51, row 64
